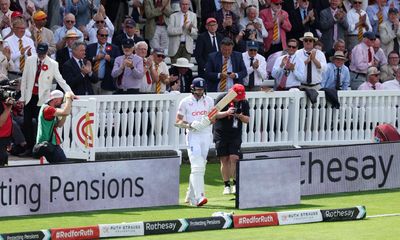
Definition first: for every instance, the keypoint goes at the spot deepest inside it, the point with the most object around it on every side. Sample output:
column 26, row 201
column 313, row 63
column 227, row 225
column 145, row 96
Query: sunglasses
column 69, row 21
column 103, row 35
column 291, row 46
column 99, row 22
column 308, row 40
column 160, row 56
column 357, row 2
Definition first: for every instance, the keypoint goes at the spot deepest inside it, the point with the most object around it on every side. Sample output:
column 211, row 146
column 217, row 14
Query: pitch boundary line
column 384, row 215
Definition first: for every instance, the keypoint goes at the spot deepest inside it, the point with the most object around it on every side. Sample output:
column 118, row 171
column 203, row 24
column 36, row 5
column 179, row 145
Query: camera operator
column 228, row 135
column 5, row 128
column 247, row 34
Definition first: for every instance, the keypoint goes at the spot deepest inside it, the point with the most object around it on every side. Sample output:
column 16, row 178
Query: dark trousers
column 58, row 155
column 31, row 111
column 3, row 150
column 127, row 91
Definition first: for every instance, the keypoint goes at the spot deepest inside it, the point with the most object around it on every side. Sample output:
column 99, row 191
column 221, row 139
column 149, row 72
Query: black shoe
column 26, row 153
column 16, row 150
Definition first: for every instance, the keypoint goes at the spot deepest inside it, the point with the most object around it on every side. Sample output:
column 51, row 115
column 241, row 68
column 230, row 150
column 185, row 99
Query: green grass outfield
column 376, row 202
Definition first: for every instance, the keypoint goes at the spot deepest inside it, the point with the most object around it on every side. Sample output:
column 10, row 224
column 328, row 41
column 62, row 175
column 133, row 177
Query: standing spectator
column 150, row 73
column 51, row 117
column 42, row 34
column 224, row 68
column 372, row 82
column 277, row 23
column 228, row 21
column 36, row 85
column 314, row 61
column 252, row 17
column 7, row 32
column 388, row 71
column 358, row 24
column 82, row 9
column 207, row 43
column 377, row 14
column 248, row 34
column 393, row 84
column 228, row 135
column 102, row 55
column 20, row 45
column 271, row 61
column 192, row 109
column 338, row 45
column 332, row 24
column 6, row 63
column 380, row 56
column 6, row 126
column 182, row 30
column 59, row 34
column 130, row 32
column 99, row 21
column 256, row 67
column 390, row 32
column 362, row 57
column 157, row 12
column 337, row 75
column 240, row 7
column 64, row 54
column 288, row 71
column 181, row 73
column 77, row 71
column 128, row 69
column 41, row 5
column 5, row 14
column 161, row 79
column 208, row 10
column 303, row 19
column 290, row 5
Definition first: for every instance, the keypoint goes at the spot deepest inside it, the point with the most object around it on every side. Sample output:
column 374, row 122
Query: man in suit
column 277, row 23
column 388, row 71
column 102, row 56
column 64, row 54
column 77, row 71
column 224, row 68
column 130, row 31
column 207, row 43
column 36, row 85
column 208, row 9
column 333, row 24
column 303, row 19
column 390, row 32
column 228, row 21
column 157, row 12
column 182, row 29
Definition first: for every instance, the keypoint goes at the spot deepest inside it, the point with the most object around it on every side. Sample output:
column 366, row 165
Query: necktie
column 97, row 63
column 360, row 29
column 337, row 82
column 373, row 87
column 275, row 32
column 222, row 83
column 214, row 43
column 369, row 55
column 22, row 57
column 380, row 18
column 335, row 28
column 148, row 77
column 251, row 76
column 396, row 46
column 80, row 63
column 304, row 14
column 282, row 83
column 182, row 82
column 185, row 19
column 158, row 84
column 309, row 71
column 38, row 70
column 39, row 36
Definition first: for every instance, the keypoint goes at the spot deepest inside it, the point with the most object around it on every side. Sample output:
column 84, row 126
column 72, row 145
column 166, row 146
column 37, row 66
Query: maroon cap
column 210, row 20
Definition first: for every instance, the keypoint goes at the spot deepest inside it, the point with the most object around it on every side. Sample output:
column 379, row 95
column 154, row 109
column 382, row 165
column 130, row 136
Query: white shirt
column 192, row 109
column 260, row 74
column 296, row 77
column 92, row 30
column 211, row 37
column 353, row 18
column 317, row 73
column 13, row 43
column 391, row 85
column 162, row 68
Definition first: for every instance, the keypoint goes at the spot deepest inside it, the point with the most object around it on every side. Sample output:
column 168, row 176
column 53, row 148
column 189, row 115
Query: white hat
column 183, row 62
column 308, row 35
column 55, row 94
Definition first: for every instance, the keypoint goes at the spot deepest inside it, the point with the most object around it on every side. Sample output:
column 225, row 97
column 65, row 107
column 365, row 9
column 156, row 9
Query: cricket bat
column 216, row 109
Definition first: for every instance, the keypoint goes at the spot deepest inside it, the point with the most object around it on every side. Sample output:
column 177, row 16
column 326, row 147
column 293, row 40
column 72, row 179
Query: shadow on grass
column 346, row 194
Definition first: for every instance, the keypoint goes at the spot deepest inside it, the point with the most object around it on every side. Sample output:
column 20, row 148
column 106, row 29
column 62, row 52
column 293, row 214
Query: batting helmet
column 198, row 83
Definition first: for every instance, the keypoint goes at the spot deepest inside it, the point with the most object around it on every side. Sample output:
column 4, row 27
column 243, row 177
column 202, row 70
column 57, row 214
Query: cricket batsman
column 193, row 110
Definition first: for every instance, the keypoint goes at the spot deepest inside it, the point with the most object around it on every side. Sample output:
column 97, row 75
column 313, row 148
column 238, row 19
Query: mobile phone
column 229, row 73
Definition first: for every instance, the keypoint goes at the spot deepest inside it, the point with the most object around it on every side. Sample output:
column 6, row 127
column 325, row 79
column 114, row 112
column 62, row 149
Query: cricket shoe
column 233, row 189
column 202, row 201
column 227, row 190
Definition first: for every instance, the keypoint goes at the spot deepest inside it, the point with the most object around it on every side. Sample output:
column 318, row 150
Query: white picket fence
column 145, row 122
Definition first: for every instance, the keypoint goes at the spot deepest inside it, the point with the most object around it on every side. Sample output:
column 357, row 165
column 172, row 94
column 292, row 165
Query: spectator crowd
column 105, row 47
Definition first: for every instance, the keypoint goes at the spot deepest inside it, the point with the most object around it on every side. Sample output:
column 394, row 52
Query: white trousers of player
column 198, row 147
